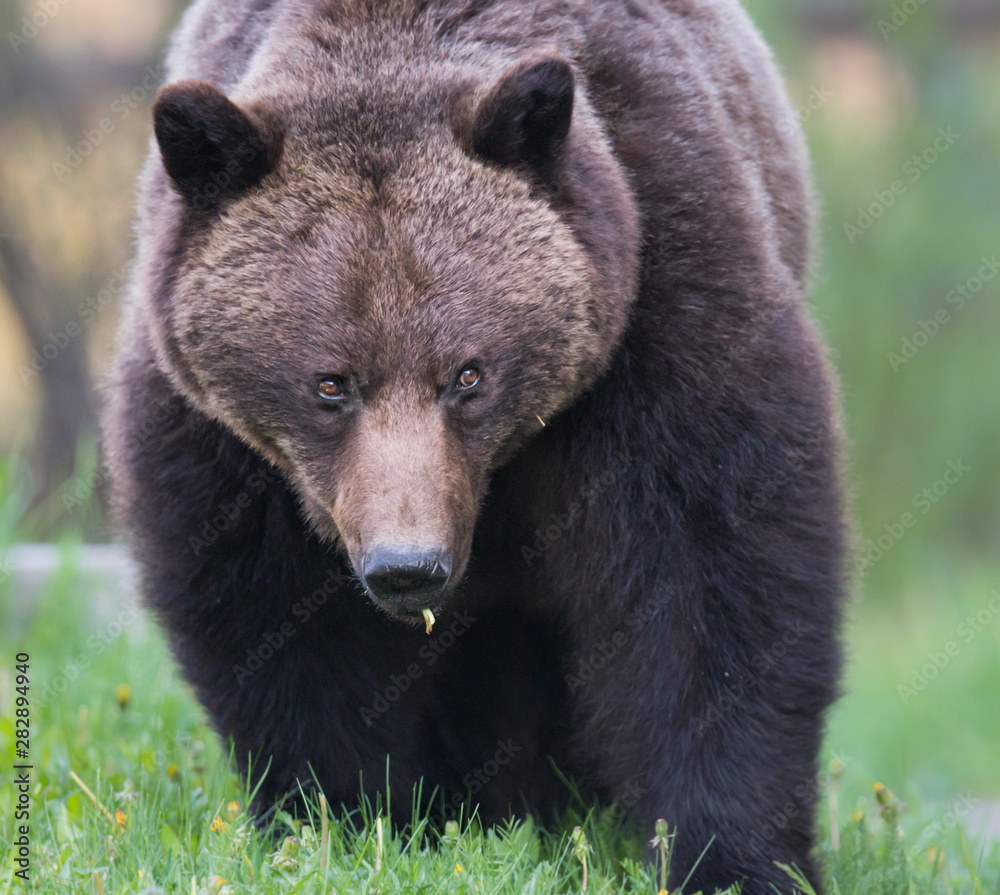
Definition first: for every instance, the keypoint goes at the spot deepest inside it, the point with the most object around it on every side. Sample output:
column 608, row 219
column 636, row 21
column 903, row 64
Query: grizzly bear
column 485, row 439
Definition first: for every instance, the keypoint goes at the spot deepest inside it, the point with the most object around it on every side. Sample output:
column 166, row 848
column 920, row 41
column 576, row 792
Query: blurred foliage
column 76, row 82
column 889, row 92
column 871, row 97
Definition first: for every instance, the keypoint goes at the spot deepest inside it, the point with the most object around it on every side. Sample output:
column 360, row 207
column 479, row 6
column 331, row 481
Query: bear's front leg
column 302, row 693
column 713, row 728
column 268, row 623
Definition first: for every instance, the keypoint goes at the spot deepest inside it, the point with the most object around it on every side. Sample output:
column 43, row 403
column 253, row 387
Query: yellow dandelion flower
column 232, row 809
column 123, row 693
column 858, row 816
column 889, row 806
column 219, row 825
column 120, row 818
column 459, row 869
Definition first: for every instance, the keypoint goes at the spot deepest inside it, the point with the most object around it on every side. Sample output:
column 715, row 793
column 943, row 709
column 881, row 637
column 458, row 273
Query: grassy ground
column 920, row 692
column 109, row 713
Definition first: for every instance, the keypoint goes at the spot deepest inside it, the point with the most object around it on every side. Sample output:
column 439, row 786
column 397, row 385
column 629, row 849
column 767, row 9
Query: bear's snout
column 406, row 578
column 405, row 508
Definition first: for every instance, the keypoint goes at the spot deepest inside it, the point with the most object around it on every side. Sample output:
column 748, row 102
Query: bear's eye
column 331, row 388
column 468, row 378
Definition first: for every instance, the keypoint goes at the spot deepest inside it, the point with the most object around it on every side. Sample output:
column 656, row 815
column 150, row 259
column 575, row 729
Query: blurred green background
column 901, row 105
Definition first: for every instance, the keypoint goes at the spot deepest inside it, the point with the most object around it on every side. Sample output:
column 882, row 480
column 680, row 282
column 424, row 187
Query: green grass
column 929, row 732
column 151, row 757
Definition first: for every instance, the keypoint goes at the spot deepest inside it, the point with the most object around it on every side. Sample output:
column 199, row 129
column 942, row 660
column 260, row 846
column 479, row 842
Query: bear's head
column 386, row 291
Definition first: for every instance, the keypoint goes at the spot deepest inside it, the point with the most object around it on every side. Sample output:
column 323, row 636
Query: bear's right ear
column 209, row 145
column 526, row 116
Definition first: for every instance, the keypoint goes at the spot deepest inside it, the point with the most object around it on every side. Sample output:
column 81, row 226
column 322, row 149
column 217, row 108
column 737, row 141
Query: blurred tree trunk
column 58, row 360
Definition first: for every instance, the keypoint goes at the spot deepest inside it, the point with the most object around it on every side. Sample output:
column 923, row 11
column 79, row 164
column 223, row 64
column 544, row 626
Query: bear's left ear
column 210, row 146
column 525, row 118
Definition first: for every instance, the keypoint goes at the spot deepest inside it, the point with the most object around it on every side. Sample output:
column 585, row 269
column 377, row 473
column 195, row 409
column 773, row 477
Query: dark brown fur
column 631, row 288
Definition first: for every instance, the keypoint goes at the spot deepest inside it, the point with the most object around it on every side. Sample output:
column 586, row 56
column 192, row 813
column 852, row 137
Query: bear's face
column 388, row 325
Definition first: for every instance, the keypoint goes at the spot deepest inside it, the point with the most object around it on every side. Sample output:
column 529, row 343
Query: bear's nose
column 406, row 577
